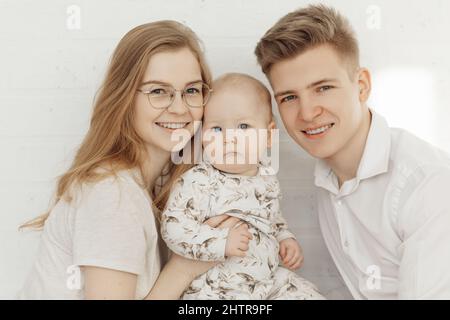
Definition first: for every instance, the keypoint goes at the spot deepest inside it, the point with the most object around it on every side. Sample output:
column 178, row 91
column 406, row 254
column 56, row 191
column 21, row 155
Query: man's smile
column 316, row 132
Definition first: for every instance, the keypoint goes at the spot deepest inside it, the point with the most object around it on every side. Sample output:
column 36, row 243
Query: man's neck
column 346, row 161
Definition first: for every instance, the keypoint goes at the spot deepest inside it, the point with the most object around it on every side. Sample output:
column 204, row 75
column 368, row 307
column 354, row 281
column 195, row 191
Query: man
column 384, row 206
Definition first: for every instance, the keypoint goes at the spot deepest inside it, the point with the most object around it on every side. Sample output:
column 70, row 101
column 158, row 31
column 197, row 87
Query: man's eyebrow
column 168, row 84
column 309, row 86
column 316, row 83
column 282, row 93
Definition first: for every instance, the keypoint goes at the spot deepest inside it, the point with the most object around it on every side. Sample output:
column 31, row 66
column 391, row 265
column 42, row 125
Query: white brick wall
column 49, row 75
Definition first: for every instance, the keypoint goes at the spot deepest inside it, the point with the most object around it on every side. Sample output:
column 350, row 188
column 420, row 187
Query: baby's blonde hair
column 239, row 80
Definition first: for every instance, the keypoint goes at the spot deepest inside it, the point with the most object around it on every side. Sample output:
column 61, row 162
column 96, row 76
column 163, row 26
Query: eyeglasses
column 161, row 96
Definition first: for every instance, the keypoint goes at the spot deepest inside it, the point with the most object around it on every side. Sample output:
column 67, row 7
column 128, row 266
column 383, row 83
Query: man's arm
column 424, row 224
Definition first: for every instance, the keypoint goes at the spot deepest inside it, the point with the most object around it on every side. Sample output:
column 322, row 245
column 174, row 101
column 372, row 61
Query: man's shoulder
column 410, row 154
column 421, row 172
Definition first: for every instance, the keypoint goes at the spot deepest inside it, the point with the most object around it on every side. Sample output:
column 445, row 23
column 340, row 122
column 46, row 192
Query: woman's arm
column 176, row 276
column 108, row 284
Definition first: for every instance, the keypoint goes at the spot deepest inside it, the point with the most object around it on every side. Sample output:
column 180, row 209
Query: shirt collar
column 375, row 159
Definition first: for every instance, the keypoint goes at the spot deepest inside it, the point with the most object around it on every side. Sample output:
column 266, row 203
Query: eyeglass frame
column 147, row 92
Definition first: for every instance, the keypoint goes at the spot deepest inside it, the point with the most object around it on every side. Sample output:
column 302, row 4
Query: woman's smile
column 172, row 126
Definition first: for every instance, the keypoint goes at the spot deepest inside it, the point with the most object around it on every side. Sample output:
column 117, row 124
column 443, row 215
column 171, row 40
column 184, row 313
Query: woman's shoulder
column 110, row 187
column 112, row 180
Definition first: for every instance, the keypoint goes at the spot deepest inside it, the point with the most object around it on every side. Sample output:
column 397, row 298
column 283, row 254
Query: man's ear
column 272, row 125
column 364, row 83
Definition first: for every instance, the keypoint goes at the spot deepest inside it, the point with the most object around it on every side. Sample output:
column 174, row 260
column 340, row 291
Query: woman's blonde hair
column 112, row 140
column 304, row 29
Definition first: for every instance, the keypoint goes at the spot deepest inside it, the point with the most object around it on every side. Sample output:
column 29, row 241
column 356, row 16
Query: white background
column 50, row 70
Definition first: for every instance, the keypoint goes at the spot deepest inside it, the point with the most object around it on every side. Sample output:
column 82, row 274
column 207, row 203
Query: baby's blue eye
column 216, row 129
column 243, row 126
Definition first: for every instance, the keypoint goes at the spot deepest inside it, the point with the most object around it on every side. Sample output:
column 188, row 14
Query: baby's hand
column 237, row 241
column 291, row 254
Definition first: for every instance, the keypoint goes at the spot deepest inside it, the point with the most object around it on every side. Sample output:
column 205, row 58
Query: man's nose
column 309, row 110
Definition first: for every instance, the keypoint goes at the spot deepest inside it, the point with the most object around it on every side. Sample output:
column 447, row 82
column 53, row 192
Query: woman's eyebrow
column 167, row 83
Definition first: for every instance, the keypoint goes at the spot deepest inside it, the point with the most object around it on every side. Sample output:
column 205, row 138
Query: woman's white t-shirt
column 108, row 224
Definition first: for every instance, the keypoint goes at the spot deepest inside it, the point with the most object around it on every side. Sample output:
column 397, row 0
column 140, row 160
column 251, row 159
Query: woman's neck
column 157, row 160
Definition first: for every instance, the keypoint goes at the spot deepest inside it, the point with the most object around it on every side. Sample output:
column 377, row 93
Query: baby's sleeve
column 282, row 232
column 281, row 228
column 182, row 226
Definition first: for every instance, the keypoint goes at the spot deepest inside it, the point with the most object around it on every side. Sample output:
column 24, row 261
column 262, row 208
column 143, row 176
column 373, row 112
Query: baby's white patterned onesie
column 204, row 192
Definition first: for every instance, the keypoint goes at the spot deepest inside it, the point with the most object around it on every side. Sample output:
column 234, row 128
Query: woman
column 103, row 226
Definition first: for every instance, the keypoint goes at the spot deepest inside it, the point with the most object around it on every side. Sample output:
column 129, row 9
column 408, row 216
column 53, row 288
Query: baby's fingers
column 217, row 220
column 282, row 251
column 229, row 222
column 244, row 231
column 289, row 255
column 239, row 253
column 296, row 265
column 243, row 246
column 248, row 235
column 293, row 260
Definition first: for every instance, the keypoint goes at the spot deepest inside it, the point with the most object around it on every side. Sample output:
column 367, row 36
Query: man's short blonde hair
column 304, row 29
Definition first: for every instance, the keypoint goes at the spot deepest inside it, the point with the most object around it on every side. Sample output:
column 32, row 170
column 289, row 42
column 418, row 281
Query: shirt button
column 346, row 243
column 339, row 203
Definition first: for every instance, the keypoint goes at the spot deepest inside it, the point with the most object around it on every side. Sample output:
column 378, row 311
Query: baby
column 234, row 180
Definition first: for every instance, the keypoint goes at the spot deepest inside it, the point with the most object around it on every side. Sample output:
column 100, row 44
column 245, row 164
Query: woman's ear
column 272, row 125
column 364, row 83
